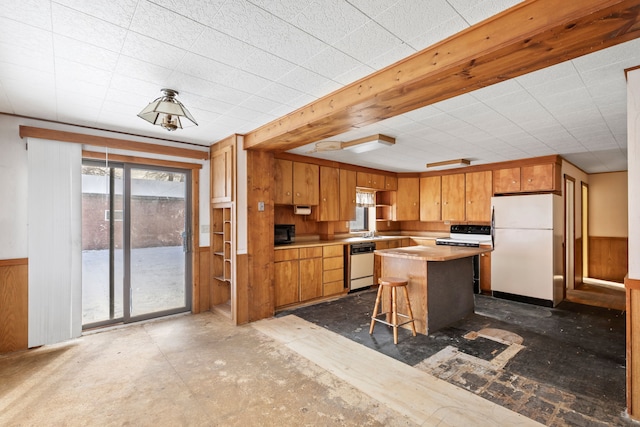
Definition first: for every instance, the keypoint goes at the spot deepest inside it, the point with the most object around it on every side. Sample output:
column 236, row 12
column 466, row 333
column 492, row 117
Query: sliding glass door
column 136, row 235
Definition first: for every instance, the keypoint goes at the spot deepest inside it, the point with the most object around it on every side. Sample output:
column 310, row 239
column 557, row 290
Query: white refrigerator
column 527, row 258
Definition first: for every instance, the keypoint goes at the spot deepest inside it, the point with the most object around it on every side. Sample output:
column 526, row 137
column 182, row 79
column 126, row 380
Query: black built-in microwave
column 284, row 234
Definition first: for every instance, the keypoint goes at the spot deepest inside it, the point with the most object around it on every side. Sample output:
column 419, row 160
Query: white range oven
column 469, row 235
column 361, row 265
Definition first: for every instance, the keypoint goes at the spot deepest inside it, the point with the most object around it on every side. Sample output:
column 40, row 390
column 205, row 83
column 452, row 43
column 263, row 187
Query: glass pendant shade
column 167, row 111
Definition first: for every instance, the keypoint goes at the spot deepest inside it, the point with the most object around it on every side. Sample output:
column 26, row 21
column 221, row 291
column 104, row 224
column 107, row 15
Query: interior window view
column 320, row 213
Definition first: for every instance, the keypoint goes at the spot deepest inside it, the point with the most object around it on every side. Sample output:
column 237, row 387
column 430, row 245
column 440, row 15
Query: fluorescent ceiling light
column 449, row 164
column 369, row 143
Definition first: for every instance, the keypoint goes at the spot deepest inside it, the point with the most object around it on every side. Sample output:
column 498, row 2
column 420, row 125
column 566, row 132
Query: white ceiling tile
column 72, row 71
column 79, row 26
column 331, row 62
column 355, row 74
column 368, row 42
column 475, row 11
column 280, row 93
column 246, row 82
column 222, row 47
column 19, row 56
column 25, row 36
column 266, row 65
column 137, row 69
column 18, row 73
column 541, row 77
column 497, row 90
column 73, row 87
column 373, row 8
column 5, row 105
column 438, row 32
column 260, row 28
column 204, row 68
column 36, row 13
column 78, row 51
column 161, row 24
column 203, row 11
column 153, row 51
column 417, row 17
column 391, row 56
column 283, row 9
column 604, row 58
column 118, row 12
column 328, row 20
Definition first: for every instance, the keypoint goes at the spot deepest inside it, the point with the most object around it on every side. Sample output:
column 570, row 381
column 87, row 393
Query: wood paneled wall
column 14, row 304
column 260, row 289
column 608, row 258
column 202, row 286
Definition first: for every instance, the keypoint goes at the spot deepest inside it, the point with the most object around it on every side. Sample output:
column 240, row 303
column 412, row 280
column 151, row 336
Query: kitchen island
column 440, row 282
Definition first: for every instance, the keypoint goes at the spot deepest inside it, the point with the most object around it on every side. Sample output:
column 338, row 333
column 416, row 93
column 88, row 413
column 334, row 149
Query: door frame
column 569, row 255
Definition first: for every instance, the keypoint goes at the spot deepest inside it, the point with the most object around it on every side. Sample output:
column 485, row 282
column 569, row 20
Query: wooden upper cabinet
column 222, row 175
column 390, row 183
column 329, row 204
column 453, row 195
column 305, row 184
column 295, row 183
column 537, row 178
column 408, row 199
column 347, row 195
column 478, row 196
column 283, row 180
column 506, row 180
column 370, row 180
column 526, row 179
column 430, row 198
column 363, row 179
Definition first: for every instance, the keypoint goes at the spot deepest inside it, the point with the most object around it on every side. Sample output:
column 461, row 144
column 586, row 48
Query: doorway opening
column 136, row 259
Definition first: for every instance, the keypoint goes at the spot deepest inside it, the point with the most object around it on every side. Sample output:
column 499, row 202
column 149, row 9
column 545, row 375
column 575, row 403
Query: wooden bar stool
column 392, row 283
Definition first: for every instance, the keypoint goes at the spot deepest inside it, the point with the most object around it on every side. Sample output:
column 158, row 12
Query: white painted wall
column 13, row 191
column 633, row 170
column 13, row 181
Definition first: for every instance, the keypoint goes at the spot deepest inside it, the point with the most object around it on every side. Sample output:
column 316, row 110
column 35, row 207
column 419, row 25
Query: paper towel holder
column 302, row 210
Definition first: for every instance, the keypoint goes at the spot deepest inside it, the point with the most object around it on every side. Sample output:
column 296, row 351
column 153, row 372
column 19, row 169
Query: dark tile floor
column 570, row 369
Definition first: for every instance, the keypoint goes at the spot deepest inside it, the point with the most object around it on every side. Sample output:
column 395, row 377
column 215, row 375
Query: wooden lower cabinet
column 307, row 273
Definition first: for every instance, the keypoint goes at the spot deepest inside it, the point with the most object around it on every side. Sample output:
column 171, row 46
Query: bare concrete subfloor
column 185, row 370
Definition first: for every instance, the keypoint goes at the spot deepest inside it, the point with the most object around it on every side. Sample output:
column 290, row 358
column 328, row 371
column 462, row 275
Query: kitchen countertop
column 349, row 240
column 433, row 253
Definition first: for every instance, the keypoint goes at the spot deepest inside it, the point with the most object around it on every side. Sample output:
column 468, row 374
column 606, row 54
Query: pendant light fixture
column 166, row 111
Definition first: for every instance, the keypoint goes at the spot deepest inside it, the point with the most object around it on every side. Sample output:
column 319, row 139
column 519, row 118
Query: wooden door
column 347, row 195
column 283, row 182
column 478, row 196
column 328, row 207
column 537, row 178
column 453, row 197
column 310, row 278
column 286, row 282
column 222, row 175
column 363, row 179
column 390, row 183
column 408, row 199
column 430, row 198
column 506, row 180
column 305, row 184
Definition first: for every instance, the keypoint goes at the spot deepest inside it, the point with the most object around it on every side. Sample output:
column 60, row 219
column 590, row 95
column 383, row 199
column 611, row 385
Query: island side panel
column 415, row 271
column 450, row 292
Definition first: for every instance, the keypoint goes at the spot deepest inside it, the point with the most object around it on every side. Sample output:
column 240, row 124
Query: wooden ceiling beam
column 530, row 36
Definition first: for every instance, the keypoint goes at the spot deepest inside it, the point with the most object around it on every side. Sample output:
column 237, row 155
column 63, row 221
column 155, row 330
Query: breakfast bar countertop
column 433, row 252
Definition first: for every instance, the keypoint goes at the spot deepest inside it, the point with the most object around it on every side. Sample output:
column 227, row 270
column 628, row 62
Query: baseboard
column 524, row 299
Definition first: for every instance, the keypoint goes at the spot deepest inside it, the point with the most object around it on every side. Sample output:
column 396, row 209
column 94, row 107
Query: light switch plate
column 260, row 206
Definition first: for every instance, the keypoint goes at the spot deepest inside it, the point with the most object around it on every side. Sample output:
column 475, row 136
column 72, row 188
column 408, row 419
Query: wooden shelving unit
column 384, row 205
column 221, row 234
